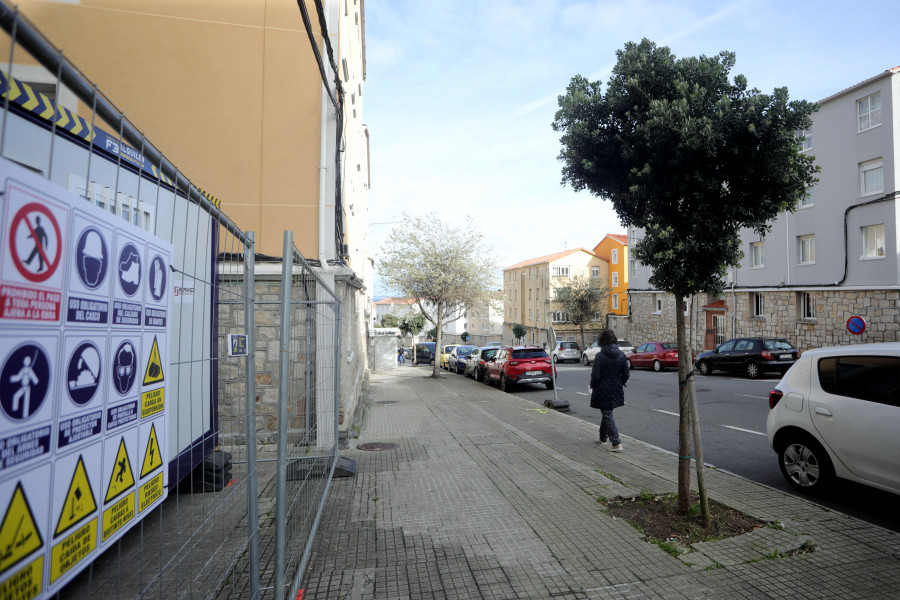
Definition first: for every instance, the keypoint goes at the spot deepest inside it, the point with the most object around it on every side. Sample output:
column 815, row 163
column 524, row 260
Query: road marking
column 749, row 396
column 582, row 394
column 666, row 412
column 744, row 430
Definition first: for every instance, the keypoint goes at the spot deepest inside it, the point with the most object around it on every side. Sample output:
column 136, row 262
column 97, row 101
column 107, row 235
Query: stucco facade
column 614, row 248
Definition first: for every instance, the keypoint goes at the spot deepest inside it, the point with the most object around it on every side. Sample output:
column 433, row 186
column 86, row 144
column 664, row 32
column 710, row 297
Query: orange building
column 614, row 248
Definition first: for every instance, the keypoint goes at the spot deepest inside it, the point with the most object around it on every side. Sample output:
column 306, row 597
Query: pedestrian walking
column 400, row 356
column 608, row 377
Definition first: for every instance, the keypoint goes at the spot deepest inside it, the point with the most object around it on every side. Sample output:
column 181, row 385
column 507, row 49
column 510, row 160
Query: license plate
column 785, row 356
column 534, row 372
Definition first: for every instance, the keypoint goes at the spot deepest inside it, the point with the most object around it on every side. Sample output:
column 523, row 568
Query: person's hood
column 611, row 350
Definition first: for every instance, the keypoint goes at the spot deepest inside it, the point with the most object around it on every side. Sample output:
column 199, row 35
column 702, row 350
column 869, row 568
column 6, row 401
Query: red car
column 657, row 355
column 519, row 364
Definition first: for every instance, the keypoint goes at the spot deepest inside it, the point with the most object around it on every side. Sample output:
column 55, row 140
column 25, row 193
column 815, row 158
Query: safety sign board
column 856, row 325
column 84, row 304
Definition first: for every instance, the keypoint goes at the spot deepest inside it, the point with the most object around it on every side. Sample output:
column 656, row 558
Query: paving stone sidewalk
column 488, row 495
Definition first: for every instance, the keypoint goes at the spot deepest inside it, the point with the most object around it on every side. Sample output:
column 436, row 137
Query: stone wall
column 648, row 325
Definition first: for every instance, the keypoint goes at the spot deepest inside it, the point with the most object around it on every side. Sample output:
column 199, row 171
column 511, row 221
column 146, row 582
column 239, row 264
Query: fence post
column 337, row 375
column 284, row 367
column 250, row 398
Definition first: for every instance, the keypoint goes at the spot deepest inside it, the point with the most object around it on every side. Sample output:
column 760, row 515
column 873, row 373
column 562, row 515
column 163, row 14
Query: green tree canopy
column 390, row 320
column 411, row 323
column 582, row 297
column 519, row 331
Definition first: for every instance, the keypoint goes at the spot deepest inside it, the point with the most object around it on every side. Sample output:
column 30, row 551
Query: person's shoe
column 615, row 448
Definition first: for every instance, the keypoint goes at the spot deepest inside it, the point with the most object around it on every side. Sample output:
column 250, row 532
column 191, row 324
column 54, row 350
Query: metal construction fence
column 211, row 484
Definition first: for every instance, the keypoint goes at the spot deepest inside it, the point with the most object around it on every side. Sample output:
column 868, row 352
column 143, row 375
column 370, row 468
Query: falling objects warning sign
column 78, row 506
column 79, row 503
column 153, row 401
column 19, row 533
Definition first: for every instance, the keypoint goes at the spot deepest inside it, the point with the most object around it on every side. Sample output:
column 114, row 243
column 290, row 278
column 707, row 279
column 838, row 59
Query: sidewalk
column 487, row 495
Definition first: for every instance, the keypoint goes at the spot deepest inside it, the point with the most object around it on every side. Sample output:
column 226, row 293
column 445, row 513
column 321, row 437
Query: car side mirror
column 716, row 350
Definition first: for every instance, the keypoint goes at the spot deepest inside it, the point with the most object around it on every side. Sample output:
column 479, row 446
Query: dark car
column 519, row 364
column 456, row 362
column 655, row 355
column 750, row 355
column 477, row 363
column 425, row 353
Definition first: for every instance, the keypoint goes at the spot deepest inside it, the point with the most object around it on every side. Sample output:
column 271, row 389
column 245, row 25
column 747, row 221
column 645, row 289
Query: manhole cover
column 373, row 446
column 385, row 402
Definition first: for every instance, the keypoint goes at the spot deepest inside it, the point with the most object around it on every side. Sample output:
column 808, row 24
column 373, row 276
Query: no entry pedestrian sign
column 84, row 302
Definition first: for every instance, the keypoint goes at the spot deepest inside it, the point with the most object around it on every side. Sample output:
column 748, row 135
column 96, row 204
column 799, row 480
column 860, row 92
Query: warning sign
column 117, row 516
column 19, row 533
column 152, row 456
column 121, row 478
column 154, row 372
column 73, row 550
column 25, row 584
column 151, row 492
column 79, row 503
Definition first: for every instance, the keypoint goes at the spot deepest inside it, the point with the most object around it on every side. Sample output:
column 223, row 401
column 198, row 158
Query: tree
column 432, row 333
column 390, row 320
column 581, row 297
column 411, row 323
column 691, row 157
column 519, row 331
column 448, row 271
column 464, row 336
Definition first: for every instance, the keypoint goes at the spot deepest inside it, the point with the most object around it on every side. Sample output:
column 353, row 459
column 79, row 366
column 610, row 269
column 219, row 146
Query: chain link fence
column 251, row 363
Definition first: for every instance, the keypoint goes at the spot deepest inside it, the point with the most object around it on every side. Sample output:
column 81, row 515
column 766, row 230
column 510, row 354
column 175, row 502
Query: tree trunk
column 687, row 402
column 581, row 330
column 439, row 324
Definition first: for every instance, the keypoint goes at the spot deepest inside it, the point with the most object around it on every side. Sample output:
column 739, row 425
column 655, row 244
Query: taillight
column 768, row 355
column 774, row 397
column 481, row 361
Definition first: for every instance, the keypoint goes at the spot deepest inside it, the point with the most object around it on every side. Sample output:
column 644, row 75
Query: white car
column 587, row 357
column 836, row 413
column 566, row 351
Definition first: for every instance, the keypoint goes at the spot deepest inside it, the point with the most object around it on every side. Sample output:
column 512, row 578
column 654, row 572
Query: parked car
column 424, row 354
column 477, row 363
column 492, row 345
column 445, row 355
column 836, row 413
column 458, row 357
column 750, row 355
column 655, row 355
column 519, row 364
column 587, row 357
column 566, row 351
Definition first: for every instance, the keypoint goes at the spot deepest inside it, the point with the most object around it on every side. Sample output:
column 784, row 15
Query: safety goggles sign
column 84, row 307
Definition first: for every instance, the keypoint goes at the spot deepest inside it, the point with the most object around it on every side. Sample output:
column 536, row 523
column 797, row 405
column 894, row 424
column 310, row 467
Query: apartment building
column 392, row 306
column 485, row 323
column 834, row 257
column 614, row 248
column 528, row 295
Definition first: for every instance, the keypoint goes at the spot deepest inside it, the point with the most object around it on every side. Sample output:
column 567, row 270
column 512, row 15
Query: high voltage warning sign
column 19, row 535
column 121, row 479
column 152, row 458
column 154, row 372
column 79, row 503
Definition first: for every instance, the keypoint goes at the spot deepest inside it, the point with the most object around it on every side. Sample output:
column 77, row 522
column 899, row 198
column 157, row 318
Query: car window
column 777, row 345
column 529, row 353
column 623, row 344
column 641, row 348
column 489, row 353
column 667, row 346
column 465, row 350
column 727, row 346
column 568, row 345
column 874, row 378
column 744, row 345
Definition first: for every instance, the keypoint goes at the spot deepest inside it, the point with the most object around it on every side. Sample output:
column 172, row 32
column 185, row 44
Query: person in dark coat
column 608, row 377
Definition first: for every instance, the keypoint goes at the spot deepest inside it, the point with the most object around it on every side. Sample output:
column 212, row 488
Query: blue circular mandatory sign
column 124, row 368
column 129, row 269
column 83, row 374
column 856, row 325
column 157, row 275
column 91, row 258
column 24, row 381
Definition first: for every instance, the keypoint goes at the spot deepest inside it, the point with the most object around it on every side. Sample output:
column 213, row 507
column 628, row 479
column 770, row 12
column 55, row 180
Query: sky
column 460, row 96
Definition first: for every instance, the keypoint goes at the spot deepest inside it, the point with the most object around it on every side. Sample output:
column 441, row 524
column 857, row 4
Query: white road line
column 744, row 430
column 582, row 394
column 749, row 396
column 666, row 412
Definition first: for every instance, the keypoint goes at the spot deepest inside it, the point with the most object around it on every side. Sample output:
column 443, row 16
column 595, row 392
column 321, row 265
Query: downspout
column 323, row 177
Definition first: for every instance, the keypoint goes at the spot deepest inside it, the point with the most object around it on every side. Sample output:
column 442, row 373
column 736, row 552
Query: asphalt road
column 733, row 413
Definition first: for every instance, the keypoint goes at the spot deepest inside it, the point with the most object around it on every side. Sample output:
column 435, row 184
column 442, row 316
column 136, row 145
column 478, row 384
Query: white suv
column 566, row 351
column 836, row 413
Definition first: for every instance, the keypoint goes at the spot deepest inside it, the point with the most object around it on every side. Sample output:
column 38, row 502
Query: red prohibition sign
column 21, row 216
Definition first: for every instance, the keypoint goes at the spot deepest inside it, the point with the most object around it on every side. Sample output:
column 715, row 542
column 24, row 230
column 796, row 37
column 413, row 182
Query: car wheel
column 431, row 362
column 505, row 384
column 752, row 370
column 549, row 385
column 704, row 367
column 657, row 366
column 805, row 464
column 584, row 360
column 555, row 358
column 628, row 362
column 475, row 375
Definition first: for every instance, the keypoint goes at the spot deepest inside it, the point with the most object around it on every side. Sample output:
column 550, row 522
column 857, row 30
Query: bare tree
column 582, row 297
column 448, row 271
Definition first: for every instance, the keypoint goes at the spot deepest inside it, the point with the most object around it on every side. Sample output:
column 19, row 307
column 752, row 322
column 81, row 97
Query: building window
column 757, row 254
column 808, row 199
column 807, row 249
column 537, row 316
column 615, row 279
column 595, row 272
column 529, row 314
column 868, row 111
column 805, row 136
column 615, row 256
column 560, row 316
column 615, row 301
column 598, row 315
column 658, row 304
column 807, row 305
column 759, row 305
column 529, row 294
column 871, row 180
column 685, row 306
column 873, row 241
column 560, row 271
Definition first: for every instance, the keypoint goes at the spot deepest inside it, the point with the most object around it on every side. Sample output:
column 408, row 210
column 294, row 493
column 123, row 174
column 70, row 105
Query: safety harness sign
column 84, row 315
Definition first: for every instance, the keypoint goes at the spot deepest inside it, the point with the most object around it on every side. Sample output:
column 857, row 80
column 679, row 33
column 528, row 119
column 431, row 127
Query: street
column 733, row 413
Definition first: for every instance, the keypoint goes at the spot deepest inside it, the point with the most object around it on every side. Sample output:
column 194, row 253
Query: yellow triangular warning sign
column 19, row 535
column 79, row 502
column 121, row 479
column 152, row 457
column 154, row 371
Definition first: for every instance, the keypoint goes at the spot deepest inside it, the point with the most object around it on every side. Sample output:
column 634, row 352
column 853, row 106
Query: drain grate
column 375, row 446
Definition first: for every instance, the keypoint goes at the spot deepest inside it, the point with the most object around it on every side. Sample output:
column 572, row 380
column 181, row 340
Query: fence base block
column 560, row 404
